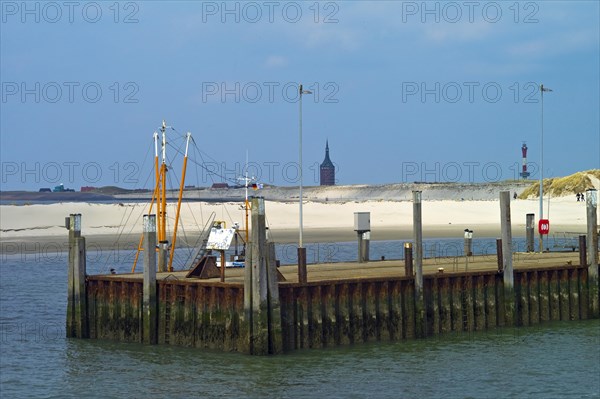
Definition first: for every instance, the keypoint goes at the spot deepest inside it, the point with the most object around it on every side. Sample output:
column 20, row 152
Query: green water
column 556, row 360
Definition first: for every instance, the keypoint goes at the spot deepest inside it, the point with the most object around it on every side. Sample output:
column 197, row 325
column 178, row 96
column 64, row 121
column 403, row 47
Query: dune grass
column 561, row 186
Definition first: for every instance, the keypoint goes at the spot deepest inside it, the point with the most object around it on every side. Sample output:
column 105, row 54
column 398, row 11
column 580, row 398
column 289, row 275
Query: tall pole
column 301, row 250
column 300, row 243
column 542, row 90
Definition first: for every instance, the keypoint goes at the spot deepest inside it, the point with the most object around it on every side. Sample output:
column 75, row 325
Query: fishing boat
column 214, row 237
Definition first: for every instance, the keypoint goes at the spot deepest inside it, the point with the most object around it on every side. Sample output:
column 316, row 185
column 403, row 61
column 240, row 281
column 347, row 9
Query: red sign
column 544, row 226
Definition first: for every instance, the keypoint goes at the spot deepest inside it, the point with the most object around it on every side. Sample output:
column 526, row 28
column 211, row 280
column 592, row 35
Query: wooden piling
column 507, row 265
column 408, row 259
column 150, row 303
column 582, row 251
column 302, row 272
column 499, row 255
column 592, row 252
column 420, row 315
column 77, row 318
column 261, row 299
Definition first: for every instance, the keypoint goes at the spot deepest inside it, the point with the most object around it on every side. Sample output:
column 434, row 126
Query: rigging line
column 210, row 172
column 150, row 146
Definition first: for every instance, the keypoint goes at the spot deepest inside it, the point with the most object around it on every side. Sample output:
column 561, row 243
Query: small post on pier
column 150, row 304
column 592, row 251
column 408, row 259
column 507, row 259
column 530, row 232
column 261, row 291
column 420, row 315
column 362, row 226
column 163, row 256
column 77, row 326
column 468, row 244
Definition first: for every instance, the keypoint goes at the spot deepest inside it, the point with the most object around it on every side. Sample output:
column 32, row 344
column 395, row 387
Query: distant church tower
column 327, row 169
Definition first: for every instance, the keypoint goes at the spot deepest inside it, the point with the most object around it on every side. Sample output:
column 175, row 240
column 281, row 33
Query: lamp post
column 542, row 90
column 302, row 277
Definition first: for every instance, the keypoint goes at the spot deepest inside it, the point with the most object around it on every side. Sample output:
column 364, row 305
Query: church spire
column 327, row 169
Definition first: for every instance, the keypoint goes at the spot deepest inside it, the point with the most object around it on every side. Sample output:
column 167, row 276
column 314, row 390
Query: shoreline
column 21, row 245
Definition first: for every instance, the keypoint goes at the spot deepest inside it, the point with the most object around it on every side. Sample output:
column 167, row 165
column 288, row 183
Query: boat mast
column 181, row 187
column 162, row 231
column 155, row 197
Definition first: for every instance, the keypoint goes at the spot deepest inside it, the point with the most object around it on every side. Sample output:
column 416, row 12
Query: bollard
column 468, row 244
column 163, row 256
column 364, row 239
column 408, row 259
column 530, row 232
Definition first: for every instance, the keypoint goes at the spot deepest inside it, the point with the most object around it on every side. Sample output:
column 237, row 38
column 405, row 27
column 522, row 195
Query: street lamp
column 302, row 277
column 542, row 90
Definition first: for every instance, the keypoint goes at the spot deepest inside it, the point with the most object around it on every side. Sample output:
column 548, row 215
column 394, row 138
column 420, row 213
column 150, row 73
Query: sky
column 403, row 91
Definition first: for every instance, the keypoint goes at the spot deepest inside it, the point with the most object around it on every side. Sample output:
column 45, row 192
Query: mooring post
column 76, row 288
column 150, row 304
column 507, row 259
column 468, row 244
column 362, row 227
column 73, row 223
column 163, row 256
column 81, row 317
column 592, row 251
column 262, row 302
column 530, row 232
column 408, row 259
column 420, row 315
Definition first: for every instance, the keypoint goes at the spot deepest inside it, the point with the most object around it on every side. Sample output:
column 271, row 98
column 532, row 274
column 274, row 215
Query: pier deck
column 323, row 272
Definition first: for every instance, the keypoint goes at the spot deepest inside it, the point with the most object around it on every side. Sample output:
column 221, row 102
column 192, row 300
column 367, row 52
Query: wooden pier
column 340, row 304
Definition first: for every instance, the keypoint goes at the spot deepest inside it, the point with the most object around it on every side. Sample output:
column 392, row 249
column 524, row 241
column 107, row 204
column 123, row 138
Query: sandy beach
column 119, row 225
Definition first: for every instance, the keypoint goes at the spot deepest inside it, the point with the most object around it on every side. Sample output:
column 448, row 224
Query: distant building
column 87, row 189
column 327, row 169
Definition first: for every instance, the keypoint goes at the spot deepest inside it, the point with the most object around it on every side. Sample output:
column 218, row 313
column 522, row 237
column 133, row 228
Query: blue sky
column 407, row 91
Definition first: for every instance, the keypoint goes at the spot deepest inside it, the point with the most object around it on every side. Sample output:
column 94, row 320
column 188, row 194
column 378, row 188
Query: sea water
column 556, row 360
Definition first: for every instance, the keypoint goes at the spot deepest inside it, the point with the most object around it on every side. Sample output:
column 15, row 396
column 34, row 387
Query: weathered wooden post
column 592, row 251
column 163, row 256
column 408, row 259
column 507, row 259
column 77, row 320
column 499, row 256
column 582, row 251
column 530, row 232
column 150, row 303
column 261, row 290
column 420, row 315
